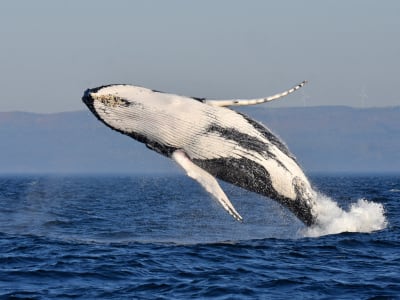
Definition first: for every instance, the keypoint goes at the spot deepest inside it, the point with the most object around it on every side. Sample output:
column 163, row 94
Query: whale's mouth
column 87, row 98
column 89, row 101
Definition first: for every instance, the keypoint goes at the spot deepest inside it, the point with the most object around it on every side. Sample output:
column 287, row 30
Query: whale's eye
column 111, row 100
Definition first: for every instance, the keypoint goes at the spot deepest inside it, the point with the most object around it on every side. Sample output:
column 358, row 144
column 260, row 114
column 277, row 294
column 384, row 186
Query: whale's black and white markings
column 209, row 140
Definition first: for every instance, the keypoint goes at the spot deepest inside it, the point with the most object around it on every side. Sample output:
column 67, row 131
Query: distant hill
column 324, row 139
column 338, row 139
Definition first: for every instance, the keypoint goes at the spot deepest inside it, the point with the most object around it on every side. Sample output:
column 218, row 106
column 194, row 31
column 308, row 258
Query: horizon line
column 269, row 107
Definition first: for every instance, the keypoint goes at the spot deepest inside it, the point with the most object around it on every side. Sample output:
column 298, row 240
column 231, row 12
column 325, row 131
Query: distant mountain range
column 324, row 139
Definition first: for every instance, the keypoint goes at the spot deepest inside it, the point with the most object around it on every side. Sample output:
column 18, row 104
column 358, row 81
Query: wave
column 362, row 216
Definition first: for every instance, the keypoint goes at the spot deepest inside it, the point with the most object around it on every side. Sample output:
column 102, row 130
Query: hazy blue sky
column 51, row 51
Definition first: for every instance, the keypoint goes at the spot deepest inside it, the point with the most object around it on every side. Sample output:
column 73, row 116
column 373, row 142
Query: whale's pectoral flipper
column 239, row 102
column 207, row 181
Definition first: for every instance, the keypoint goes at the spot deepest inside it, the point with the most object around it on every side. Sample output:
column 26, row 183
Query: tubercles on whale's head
column 115, row 110
column 106, row 99
column 111, row 100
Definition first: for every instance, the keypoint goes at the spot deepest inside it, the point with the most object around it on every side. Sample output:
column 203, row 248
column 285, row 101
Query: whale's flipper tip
column 242, row 102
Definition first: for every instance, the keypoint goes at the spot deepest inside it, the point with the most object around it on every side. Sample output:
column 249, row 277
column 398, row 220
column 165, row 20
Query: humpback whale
column 209, row 140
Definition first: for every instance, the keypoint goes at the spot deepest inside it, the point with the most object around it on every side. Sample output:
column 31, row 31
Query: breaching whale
column 209, row 141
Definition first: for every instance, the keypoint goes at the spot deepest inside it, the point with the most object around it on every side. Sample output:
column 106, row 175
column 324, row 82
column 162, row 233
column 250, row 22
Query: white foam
column 362, row 216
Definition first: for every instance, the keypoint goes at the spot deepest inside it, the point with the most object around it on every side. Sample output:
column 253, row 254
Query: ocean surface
column 164, row 237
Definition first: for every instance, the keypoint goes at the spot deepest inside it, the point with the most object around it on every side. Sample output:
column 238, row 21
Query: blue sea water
column 163, row 237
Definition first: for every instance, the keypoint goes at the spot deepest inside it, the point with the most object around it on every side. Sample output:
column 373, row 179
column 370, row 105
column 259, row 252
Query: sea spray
column 362, row 216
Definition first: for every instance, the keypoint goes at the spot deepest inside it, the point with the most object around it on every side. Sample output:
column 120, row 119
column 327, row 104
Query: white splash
column 362, row 216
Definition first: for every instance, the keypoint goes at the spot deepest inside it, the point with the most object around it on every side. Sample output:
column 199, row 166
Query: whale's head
column 120, row 107
column 106, row 100
column 143, row 114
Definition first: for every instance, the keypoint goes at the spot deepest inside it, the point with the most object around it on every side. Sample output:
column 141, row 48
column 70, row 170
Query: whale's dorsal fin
column 206, row 180
column 239, row 102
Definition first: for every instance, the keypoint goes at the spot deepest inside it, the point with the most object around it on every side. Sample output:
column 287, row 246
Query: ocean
column 164, row 237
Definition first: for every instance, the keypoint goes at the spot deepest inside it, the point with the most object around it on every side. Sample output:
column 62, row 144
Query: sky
column 51, row 51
